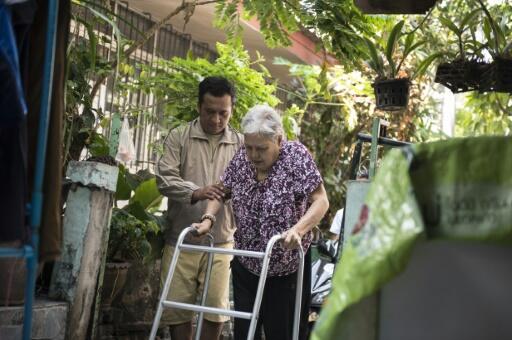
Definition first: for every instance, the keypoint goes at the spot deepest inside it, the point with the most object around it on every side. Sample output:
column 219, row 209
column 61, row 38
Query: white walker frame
column 163, row 303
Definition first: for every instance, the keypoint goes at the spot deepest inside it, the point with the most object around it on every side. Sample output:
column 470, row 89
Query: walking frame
column 253, row 316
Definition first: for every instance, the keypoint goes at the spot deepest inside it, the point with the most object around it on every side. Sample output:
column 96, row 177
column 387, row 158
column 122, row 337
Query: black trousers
column 277, row 306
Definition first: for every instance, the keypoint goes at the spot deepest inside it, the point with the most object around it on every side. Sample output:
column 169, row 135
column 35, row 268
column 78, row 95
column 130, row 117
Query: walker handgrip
column 194, row 232
column 281, row 238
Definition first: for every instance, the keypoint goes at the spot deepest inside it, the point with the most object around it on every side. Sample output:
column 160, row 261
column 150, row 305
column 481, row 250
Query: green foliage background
column 175, row 82
column 328, row 105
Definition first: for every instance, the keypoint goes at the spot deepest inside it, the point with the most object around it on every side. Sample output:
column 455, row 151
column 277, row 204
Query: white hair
column 264, row 120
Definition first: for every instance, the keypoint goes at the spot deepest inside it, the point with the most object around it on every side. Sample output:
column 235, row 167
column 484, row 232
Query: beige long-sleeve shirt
column 189, row 162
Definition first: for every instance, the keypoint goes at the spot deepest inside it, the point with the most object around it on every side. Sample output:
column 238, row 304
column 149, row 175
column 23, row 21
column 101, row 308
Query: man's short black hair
column 217, row 87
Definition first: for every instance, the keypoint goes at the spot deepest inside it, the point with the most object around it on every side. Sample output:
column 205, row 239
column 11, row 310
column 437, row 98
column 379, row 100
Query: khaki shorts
column 188, row 281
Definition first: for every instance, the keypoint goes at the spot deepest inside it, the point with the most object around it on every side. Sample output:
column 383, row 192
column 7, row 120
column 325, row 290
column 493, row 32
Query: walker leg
column 167, row 284
column 261, row 287
column 298, row 296
column 205, row 290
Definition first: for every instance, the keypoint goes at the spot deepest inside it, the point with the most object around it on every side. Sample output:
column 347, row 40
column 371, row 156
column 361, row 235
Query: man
column 195, row 156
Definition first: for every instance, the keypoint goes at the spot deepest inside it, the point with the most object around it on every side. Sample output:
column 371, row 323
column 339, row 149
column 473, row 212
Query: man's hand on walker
column 202, row 228
column 291, row 239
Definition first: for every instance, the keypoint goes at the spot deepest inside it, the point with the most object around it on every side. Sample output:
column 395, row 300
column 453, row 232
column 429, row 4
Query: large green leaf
column 377, row 63
column 147, row 194
column 137, row 210
column 395, row 34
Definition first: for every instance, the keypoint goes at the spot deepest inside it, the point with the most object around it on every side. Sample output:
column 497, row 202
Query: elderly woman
column 275, row 187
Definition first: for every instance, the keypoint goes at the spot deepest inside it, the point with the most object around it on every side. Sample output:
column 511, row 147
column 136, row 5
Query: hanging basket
column 461, row 75
column 498, row 77
column 392, row 94
column 394, row 6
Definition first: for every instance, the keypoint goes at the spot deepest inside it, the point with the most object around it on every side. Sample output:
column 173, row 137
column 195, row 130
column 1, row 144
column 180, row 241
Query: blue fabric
column 13, row 108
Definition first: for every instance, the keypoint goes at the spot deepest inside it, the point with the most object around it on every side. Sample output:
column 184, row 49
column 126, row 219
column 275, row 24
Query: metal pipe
column 356, row 159
column 42, row 138
column 167, row 285
column 196, row 308
column 298, row 295
column 261, row 286
column 205, row 288
column 236, row 252
column 382, row 140
column 14, row 252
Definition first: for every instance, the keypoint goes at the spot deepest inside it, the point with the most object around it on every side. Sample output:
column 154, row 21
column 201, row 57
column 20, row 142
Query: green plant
column 135, row 228
column 465, row 33
column 387, row 62
column 174, row 83
column 335, row 25
column 497, row 34
column 330, row 105
column 484, row 114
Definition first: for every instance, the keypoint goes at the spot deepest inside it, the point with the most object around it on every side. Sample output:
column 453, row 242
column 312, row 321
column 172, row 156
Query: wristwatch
column 210, row 217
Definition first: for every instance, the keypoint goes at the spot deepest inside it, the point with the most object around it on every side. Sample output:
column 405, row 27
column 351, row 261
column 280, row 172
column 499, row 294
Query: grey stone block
column 48, row 320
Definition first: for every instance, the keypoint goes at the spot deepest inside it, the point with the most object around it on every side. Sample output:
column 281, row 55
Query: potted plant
column 463, row 72
column 134, row 229
column 498, row 76
column 391, row 86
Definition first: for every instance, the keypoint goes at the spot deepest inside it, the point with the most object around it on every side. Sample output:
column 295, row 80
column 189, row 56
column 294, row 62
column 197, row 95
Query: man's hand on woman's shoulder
column 210, row 192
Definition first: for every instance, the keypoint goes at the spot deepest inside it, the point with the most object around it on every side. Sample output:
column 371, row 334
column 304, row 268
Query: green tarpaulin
column 457, row 189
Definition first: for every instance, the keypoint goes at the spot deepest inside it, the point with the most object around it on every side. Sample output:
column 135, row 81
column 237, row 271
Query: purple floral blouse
column 272, row 206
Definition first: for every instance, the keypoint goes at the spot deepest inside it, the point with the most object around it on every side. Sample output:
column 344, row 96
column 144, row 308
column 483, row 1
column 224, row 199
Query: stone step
column 48, row 320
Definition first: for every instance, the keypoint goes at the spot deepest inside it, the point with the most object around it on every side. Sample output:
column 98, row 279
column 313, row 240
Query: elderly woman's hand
column 201, row 228
column 291, row 238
